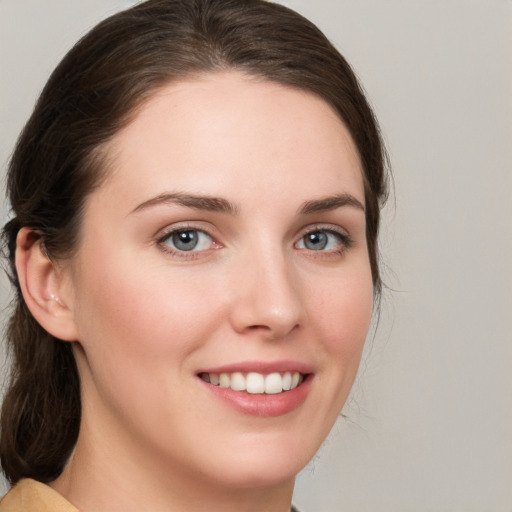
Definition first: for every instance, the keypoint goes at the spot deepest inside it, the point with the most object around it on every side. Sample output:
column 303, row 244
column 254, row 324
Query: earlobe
column 42, row 285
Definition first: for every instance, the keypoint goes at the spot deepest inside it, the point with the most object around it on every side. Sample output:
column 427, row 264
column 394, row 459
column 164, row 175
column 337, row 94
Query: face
column 222, row 262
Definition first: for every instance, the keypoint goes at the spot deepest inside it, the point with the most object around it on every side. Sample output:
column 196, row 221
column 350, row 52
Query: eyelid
column 191, row 225
column 326, row 227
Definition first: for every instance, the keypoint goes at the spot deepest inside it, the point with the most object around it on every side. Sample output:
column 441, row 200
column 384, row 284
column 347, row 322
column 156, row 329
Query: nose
column 268, row 298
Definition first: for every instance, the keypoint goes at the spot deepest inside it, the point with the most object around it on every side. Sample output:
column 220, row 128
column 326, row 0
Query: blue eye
column 323, row 240
column 187, row 240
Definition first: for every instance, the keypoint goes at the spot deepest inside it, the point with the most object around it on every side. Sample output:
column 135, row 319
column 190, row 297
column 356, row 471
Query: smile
column 254, row 382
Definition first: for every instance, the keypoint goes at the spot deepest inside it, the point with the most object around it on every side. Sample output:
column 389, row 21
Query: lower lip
column 263, row 405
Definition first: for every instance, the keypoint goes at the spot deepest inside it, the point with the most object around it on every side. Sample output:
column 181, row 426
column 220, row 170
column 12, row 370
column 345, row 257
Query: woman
column 194, row 245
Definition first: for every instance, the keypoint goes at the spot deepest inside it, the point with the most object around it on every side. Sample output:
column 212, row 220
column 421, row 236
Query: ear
column 45, row 286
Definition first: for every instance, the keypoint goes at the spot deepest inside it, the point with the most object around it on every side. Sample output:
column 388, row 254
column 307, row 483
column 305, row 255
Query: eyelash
column 344, row 240
column 193, row 254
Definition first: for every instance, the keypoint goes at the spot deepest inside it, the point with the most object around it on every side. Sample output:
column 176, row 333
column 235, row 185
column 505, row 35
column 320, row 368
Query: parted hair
column 95, row 91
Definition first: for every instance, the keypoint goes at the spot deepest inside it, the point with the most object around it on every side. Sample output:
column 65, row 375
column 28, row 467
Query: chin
column 267, row 463
column 258, row 474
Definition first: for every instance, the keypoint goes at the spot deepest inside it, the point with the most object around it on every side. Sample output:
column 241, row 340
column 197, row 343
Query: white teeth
column 273, row 384
column 224, row 380
column 255, row 383
column 287, row 381
column 237, row 382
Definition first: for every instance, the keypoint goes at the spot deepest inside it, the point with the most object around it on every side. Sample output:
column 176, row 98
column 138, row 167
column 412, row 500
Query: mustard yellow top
column 32, row 496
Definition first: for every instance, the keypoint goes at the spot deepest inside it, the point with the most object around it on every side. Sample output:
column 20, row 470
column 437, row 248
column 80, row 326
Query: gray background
column 429, row 426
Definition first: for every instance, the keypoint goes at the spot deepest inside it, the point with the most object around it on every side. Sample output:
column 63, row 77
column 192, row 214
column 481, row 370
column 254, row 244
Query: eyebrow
column 330, row 203
column 218, row 204
column 215, row 204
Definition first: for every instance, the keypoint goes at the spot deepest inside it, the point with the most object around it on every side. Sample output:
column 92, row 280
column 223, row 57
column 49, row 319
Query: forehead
column 234, row 132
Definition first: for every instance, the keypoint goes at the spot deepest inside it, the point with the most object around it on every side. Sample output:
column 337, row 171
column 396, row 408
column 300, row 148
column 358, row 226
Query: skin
column 147, row 319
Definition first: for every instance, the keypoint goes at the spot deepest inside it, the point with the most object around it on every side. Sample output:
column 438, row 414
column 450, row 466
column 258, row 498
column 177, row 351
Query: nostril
column 272, row 332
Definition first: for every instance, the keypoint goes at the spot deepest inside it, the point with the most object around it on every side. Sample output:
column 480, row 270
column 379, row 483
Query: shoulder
column 32, row 496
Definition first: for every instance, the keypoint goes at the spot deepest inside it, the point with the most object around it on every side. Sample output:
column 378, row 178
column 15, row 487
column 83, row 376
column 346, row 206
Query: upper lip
column 263, row 367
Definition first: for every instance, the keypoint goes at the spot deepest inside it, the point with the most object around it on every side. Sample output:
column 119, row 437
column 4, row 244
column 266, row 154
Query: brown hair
column 94, row 92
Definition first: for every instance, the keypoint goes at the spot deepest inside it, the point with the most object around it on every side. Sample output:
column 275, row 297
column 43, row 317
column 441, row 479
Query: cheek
column 138, row 324
column 341, row 315
column 128, row 311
